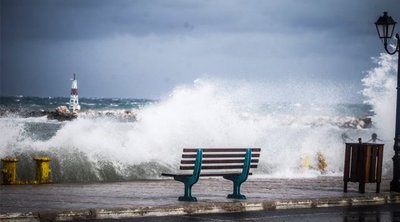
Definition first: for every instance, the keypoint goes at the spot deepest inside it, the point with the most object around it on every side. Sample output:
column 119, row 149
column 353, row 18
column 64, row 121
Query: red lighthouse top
column 74, row 92
column 74, row 87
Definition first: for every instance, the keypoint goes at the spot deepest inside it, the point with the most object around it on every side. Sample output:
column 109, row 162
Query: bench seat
column 202, row 175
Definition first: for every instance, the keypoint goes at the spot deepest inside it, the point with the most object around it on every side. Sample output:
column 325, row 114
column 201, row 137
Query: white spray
column 380, row 92
column 213, row 113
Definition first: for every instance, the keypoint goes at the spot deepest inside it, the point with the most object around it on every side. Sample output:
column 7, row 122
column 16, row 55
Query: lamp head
column 385, row 27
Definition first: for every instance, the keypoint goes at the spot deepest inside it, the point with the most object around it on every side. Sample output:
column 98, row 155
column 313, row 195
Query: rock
column 62, row 110
column 62, row 113
column 365, row 122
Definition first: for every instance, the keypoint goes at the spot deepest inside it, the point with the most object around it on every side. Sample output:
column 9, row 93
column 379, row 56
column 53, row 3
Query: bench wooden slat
column 218, row 161
column 207, row 174
column 216, row 174
column 216, row 167
column 216, row 150
column 233, row 155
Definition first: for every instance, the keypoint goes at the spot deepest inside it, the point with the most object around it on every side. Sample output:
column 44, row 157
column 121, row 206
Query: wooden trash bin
column 363, row 164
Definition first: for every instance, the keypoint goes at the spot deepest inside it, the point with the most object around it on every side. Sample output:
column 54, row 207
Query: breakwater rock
column 62, row 113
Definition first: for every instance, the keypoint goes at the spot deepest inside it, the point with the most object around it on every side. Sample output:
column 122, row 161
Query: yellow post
column 9, row 170
column 305, row 162
column 43, row 169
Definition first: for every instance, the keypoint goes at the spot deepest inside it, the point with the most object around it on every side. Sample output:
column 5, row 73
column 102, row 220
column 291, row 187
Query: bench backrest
column 215, row 160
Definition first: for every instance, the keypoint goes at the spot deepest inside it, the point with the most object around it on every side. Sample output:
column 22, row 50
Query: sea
column 125, row 139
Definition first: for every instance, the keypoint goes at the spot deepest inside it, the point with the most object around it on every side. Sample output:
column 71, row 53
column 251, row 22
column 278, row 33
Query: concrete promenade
column 63, row 202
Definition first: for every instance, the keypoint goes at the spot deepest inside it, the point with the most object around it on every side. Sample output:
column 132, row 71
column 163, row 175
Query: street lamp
column 385, row 27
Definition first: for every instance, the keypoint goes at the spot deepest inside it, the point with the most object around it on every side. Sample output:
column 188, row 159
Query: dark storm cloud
column 58, row 20
column 144, row 48
column 75, row 19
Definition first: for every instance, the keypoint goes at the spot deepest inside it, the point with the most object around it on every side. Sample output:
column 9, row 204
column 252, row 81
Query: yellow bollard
column 305, row 162
column 9, row 170
column 43, row 169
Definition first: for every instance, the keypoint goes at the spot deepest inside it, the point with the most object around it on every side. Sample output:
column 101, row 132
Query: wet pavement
column 159, row 197
column 384, row 213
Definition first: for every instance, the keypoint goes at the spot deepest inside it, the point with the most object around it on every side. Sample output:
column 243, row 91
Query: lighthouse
column 73, row 101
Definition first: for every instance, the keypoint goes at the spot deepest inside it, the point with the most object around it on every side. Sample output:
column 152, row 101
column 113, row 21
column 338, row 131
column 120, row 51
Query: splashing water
column 209, row 113
column 380, row 92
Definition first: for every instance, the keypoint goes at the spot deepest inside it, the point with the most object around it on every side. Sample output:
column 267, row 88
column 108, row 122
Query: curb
column 201, row 208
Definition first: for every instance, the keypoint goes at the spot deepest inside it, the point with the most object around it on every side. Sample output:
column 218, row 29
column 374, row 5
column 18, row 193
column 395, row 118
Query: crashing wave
column 75, row 166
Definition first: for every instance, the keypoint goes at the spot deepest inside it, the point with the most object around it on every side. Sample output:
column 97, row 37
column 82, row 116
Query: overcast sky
column 143, row 49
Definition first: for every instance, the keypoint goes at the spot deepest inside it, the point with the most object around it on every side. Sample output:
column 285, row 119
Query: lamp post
column 385, row 27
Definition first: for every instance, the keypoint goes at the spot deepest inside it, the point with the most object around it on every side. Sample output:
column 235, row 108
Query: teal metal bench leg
column 188, row 194
column 239, row 179
column 191, row 180
column 236, row 192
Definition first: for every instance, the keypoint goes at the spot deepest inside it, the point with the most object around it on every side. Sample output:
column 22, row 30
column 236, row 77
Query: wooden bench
column 233, row 164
